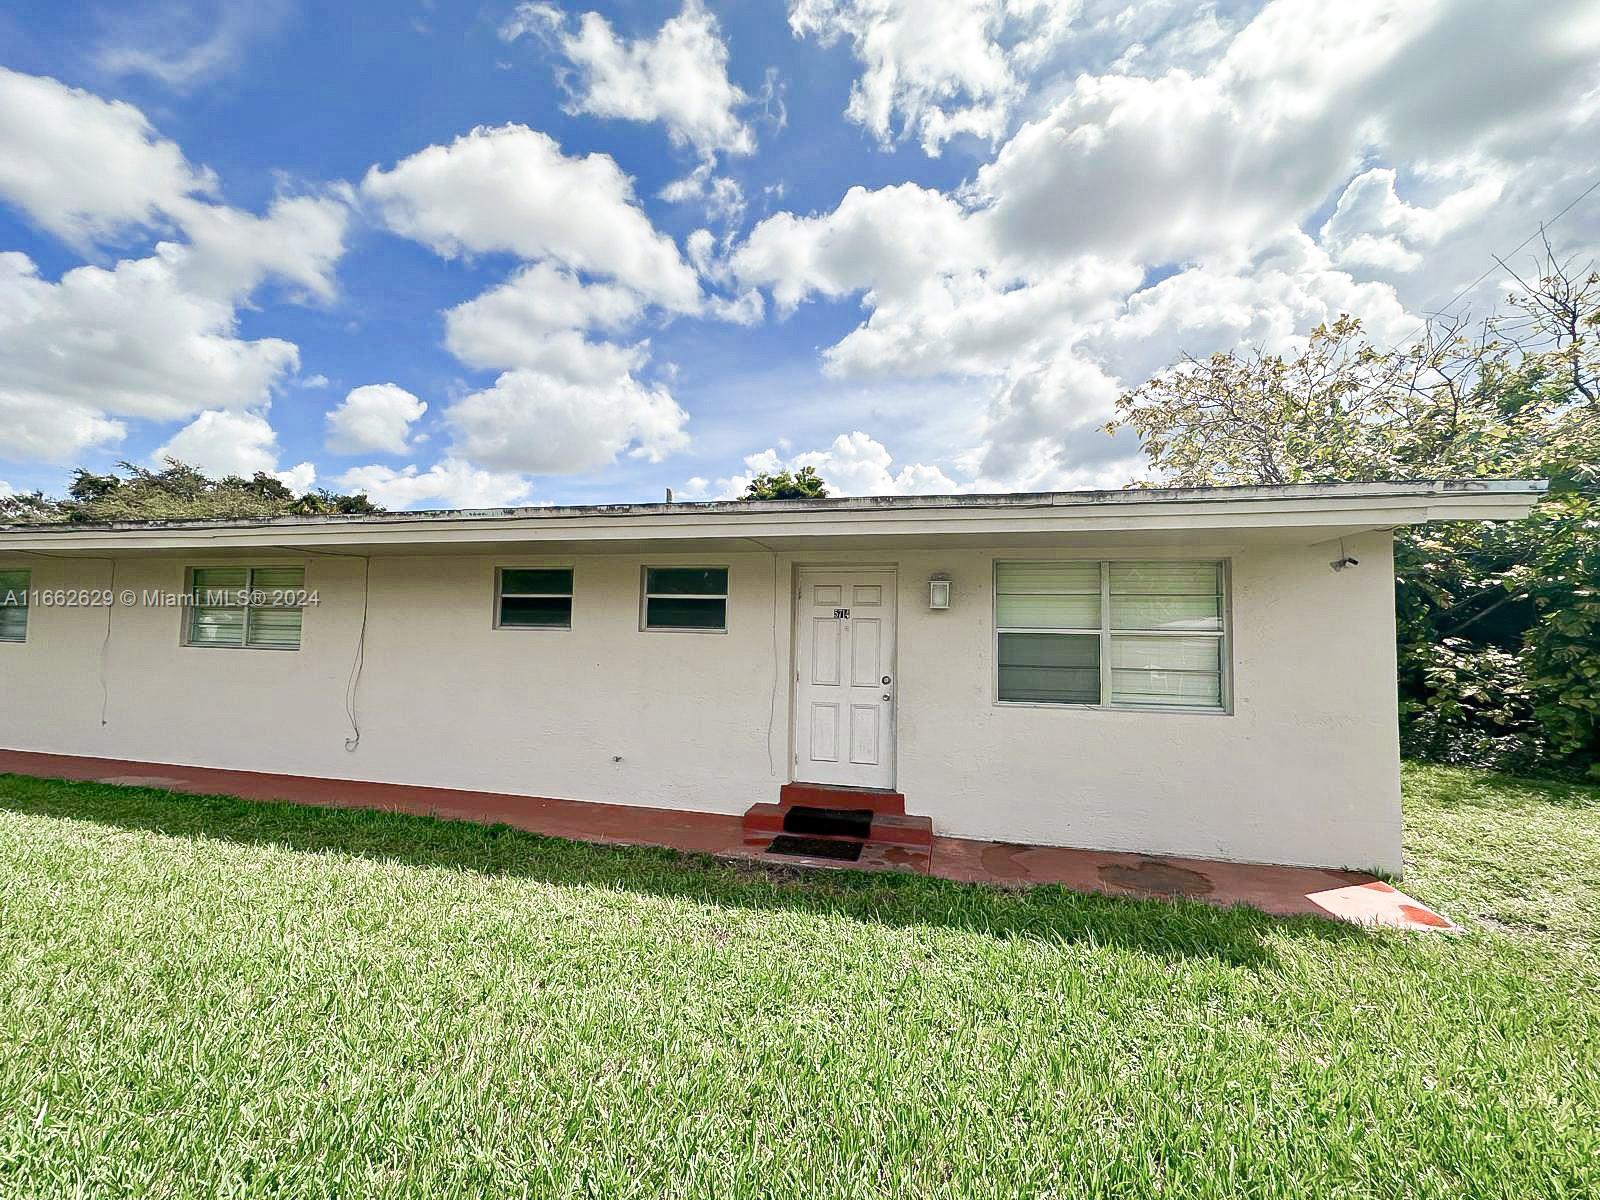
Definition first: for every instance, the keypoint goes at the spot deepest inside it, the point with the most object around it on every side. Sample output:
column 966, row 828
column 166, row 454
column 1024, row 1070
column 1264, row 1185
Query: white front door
column 844, row 677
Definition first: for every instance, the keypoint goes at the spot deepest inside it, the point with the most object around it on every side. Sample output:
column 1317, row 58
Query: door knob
column 886, row 695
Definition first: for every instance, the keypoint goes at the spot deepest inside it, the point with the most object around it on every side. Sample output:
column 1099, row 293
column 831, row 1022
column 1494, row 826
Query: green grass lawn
column 208, row 997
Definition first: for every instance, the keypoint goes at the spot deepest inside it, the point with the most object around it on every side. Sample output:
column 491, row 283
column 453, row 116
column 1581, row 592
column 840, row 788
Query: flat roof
column 1342, row 505
column 849, row 504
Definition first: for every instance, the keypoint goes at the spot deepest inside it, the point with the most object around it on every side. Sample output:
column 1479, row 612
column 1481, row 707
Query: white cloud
column 1159, row 206
column 532, row 420
column 1177, row 166
column 231, row 252
column 153, row 337
column 233, row 443
column 376, row 416
column 678, row 77
column 177, row 46
column 854, row 464
column 452, row 482
column 1373, row 227
column 84, row 168
column 90, row 170
column 1043, row 429
column 721, row 195
column 1270, row 301
column 50, row 431
column 510, row 189
column 126, row 341
column 935, row 68
column 891, row 242
column 537, row 319
column 567, row 401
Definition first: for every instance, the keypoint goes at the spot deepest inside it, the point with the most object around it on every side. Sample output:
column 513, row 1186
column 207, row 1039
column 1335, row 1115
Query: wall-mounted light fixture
column 939, row 591
column 1344, row 560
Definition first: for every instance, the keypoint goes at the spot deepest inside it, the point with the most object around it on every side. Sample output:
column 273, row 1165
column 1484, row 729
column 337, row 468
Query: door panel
column 826, row 644
column 825, row 732
column 844, row 677
column 864, row 743
column 866, row 641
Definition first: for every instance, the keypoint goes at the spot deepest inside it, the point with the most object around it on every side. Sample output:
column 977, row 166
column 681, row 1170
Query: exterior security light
column 939, row 592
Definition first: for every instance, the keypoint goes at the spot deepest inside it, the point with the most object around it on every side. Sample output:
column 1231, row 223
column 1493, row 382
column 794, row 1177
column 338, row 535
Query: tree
column 28, row 508
column 804, row 484
column 1499, row 625
column 177, row 492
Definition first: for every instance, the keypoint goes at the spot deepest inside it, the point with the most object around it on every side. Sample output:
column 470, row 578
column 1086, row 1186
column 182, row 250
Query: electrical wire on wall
column 358, row 662
column 105, row 647
column 105, row 642
column 777, row 664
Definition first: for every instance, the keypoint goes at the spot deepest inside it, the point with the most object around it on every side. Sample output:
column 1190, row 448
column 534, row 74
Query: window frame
column 27, row 586
column 1224, row 637
column 189, row 608
column 645, row 596
column 571, row 595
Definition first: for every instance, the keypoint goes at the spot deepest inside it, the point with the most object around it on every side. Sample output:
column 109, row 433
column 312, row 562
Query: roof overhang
column 1165, row 514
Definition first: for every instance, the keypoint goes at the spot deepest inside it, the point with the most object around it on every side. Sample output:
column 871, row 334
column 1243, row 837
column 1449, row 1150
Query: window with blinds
column 534, row 598
column 255, row 608
column 14, row 605
column 1111, row 634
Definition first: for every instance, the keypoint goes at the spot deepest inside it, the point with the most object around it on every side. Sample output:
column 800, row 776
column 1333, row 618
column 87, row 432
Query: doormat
column 810, row 847
column 835, row 822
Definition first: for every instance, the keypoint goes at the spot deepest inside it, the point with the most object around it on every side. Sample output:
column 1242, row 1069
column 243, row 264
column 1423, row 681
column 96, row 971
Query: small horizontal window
column 686, row 598
column 14, row 606
column 535, row 598
column 255, row 608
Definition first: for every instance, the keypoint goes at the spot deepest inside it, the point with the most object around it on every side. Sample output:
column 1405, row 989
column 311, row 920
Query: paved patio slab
column 1346, row 895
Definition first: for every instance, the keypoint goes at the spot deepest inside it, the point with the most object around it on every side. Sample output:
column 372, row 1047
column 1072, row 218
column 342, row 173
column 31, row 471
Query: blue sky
column 921, row 246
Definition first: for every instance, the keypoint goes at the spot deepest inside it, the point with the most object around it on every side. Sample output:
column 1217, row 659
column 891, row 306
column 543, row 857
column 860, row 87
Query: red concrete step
column 763, row 822
column 823, row 795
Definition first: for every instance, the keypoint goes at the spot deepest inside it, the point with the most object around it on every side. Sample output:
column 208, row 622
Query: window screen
column 1122, row 634
column 535, row 598
column 686, row 597
column 14, row 606
column 1175, row 658
column 256, row 608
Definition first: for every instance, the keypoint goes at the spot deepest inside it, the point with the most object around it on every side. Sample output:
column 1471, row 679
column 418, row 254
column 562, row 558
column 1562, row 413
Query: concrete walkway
column 1346, row 895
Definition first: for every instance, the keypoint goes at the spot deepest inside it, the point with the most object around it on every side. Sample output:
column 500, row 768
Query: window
column 1116, row 634
column 253, row 607
column 686, row 598
column 14, row 606
column 534, row 598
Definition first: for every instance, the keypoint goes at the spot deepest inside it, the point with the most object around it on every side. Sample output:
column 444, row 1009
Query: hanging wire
column 105, row 648
column 105, row 642
column 360, row 660
column 778, row 669
column 1543, row 226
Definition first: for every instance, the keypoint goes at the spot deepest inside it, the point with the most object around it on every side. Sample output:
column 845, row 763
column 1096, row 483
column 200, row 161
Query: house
column 1200, row 672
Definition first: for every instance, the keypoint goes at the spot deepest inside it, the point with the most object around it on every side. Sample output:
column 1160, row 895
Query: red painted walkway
column 1347, row 895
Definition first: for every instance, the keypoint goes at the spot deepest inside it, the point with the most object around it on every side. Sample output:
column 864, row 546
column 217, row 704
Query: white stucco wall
column 1303, row 770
